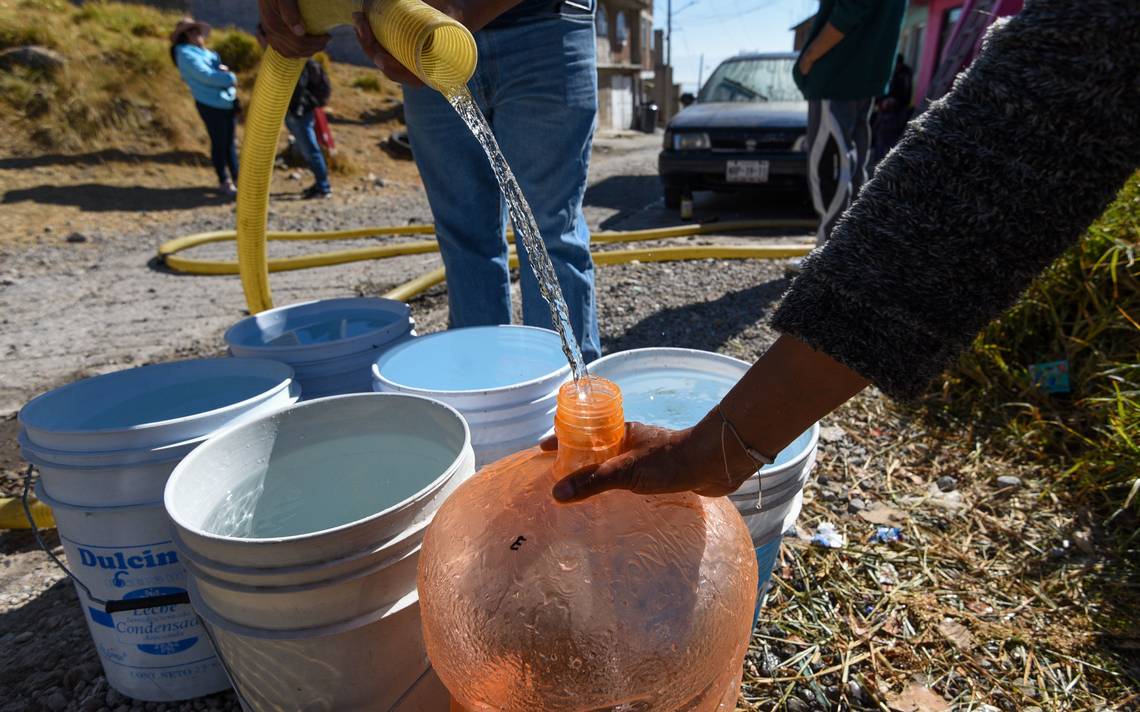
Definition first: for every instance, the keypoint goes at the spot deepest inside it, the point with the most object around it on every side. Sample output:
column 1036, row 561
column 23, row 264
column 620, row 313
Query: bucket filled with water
column 504, row 380
column 675, row 388
column 330, row 343
column 301, row 533
column 104, row 448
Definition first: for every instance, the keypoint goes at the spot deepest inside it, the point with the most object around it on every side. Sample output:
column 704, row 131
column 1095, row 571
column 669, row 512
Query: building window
column 602, row 22
column 621, row 35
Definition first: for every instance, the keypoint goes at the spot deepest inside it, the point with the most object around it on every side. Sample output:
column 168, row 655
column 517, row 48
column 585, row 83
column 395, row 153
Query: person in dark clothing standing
column 312, row 91
column 892, row 111
column 844, row 67
column 214, row 88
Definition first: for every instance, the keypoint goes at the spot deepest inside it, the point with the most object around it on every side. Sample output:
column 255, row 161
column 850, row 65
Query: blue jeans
column 536, row 83
column 304, row 130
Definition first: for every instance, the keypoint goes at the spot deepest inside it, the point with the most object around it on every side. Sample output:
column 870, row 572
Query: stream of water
column 526, row 228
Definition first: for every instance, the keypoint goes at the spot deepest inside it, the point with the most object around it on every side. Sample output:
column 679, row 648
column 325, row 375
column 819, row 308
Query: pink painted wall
column 934, row 28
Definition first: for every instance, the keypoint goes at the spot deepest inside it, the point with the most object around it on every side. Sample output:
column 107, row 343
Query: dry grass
column 996, row 599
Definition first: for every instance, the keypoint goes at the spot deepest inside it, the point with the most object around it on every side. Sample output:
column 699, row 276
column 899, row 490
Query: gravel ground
column 72, row 309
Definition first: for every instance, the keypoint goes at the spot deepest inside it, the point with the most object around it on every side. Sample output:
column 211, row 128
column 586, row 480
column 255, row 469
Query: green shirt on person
column 860, row 66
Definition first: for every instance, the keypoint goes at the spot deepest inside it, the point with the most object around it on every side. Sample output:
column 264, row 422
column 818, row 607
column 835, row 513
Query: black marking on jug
column 518, row 543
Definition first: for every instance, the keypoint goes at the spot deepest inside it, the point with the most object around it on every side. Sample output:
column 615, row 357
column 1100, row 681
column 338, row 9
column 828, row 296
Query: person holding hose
column 214, row 88
column 982, row 193
column 536, row 82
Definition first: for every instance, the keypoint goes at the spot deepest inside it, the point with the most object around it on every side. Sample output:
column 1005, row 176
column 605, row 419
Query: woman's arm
column 194, row 65
column 985, row 190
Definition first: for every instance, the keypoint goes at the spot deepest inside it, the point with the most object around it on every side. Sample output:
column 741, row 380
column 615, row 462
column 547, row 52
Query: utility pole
column 701, row 73
column 669, row 33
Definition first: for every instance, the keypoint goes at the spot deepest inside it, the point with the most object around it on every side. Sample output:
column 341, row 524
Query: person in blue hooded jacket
column 214, row 88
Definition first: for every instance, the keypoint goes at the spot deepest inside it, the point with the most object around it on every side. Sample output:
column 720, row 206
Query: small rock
column 1008, row 481
column 76, row 237
column 795, row 704
column 946, row 483
column 295, row 175
column 832, row 434
column 56, row 701
column 378, row 182
column 854, row 691
column 769, row 663
column 24, row 637
column 33, row 57
column 856, row 505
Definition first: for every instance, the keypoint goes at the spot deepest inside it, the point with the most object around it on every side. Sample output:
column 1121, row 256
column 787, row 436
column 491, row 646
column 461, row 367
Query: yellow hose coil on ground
column 437, row 48
column 168, row 252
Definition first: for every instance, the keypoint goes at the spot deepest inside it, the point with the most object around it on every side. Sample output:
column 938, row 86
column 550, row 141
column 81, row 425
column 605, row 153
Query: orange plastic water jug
column 621, row 602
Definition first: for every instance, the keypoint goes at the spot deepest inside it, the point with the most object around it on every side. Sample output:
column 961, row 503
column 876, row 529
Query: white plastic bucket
column 122, row 477
column 318, row 481
column 675, row 388
column 372, row 662
column 503, row 379
column 158, row 654
column 330, row 343
column 153, row 406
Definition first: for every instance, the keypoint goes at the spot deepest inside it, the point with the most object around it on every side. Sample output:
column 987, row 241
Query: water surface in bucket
column 331, row 330
column 683, row 400
column 526, row 227
column 309, row 488
column 442, row 362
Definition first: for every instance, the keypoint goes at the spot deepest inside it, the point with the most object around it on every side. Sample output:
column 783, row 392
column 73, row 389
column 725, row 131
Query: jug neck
column 589, row 423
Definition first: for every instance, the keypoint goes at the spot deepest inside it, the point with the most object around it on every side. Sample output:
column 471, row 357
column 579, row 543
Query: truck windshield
column 757, row 79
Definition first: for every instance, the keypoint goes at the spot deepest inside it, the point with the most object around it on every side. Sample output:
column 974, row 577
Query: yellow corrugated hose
column 168, row 252
column 438, row 49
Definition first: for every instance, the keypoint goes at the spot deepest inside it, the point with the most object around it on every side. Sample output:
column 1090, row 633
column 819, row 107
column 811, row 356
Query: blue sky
column 722, row 28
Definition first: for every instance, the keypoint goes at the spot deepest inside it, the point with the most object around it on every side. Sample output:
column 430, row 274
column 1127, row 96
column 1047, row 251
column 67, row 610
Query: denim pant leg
column 469, row 212
column 544, row 98
column 304, row 131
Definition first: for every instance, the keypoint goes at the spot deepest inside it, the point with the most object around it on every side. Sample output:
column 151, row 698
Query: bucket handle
column 134, row 604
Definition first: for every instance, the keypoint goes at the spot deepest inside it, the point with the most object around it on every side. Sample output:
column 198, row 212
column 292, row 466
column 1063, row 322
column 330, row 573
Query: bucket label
column 157, row 645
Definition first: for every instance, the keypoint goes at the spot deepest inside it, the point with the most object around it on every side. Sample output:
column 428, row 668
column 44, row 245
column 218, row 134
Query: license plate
column 746, row 172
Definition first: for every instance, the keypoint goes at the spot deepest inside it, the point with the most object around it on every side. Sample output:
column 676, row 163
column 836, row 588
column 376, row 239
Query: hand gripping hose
column 438, row 49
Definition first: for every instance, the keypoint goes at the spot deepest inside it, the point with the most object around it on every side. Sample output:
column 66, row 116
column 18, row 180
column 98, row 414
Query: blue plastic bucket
column 330, row 343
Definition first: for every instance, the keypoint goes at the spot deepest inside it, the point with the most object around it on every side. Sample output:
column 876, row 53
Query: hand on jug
column 285, row 31
column 658, row 461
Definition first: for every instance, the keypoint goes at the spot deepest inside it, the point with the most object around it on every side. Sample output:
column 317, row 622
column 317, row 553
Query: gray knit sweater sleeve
column 985, row 189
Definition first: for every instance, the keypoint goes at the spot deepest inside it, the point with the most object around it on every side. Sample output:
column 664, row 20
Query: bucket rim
column 216, row 619
column 248, row 588
column 378, row 304
column 57, row 504
column 228, row 431
column 205, row 563
column 284, row 382
column 559, row 374
column 37, row 456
